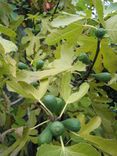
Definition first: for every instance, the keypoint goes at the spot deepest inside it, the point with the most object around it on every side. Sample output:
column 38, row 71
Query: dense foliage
column 58, row 78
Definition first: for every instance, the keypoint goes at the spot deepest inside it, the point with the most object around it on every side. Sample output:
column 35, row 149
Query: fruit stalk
column 48, row 111
column 63, row 110
column 62, row 145
column 39, row 125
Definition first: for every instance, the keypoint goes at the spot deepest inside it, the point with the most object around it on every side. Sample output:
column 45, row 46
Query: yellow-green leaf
column 83, row 89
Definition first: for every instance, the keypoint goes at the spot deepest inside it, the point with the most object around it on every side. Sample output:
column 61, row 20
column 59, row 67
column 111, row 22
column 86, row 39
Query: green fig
column 104, row 77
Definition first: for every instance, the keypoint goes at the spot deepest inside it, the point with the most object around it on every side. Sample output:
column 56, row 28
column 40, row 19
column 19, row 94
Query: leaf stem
column 75, row 133
column 63, row 110
column 46, row 109
column 39, row 125
column 62, row 144
column 87, row 25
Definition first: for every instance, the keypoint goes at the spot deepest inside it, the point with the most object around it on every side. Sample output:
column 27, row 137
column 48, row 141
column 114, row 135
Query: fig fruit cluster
column 56, row 128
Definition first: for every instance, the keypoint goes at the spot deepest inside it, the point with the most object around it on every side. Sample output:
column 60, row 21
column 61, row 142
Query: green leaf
column 29, row 76
column 81, row 149
column 8, row 45
column 107, row 58
column 15, row 24
column 5, row 12
column 20, row 146
column 26, row 90
column 85, row 102
column 106, row 115
column 83, row 89
column 33, row 117
column 65, row 19
column 66, row 57
column 85, row 149
column 65, row 89
column 14, row 149
column 69, row 33
column 90, row 126
column 86, row 44
column 111, row 26
column 43, row 86
column 58, row 66
column 11, row 63
column 113, row 82
column 11, row 148
column 112, row 8
column 7, row 31
column 107, row 145
column 99, row 9
column 33, row 43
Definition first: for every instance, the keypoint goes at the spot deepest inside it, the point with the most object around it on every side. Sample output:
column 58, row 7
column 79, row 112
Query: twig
column 91, row 66
column 55, row 9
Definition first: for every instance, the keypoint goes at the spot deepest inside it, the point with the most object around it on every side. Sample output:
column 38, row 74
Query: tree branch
column 92, row 65
column 55, row 9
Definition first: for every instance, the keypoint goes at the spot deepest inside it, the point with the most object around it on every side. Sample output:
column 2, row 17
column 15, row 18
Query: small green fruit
column 57, row 128
column 45, row 137
column 59, row 106
column 50, row 102
column 100, row 32
column 84, row 58
column 39, row 64
column 104, row 77
column 22, row 66
column 72, row 124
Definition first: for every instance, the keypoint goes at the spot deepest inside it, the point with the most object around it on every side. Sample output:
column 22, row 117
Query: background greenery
column 57, row 33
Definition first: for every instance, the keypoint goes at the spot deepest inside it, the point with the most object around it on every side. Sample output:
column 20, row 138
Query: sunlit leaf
column 43, row 86
column 8, row 45
column 90, row 126
column 83, row 89
column 65, row 19
column 65, row 89
column 99, row 9
column 70, row 33
column 33, row 43
column 30, row 76
column 111, row 26
column 107, row 145
column 81, row 149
